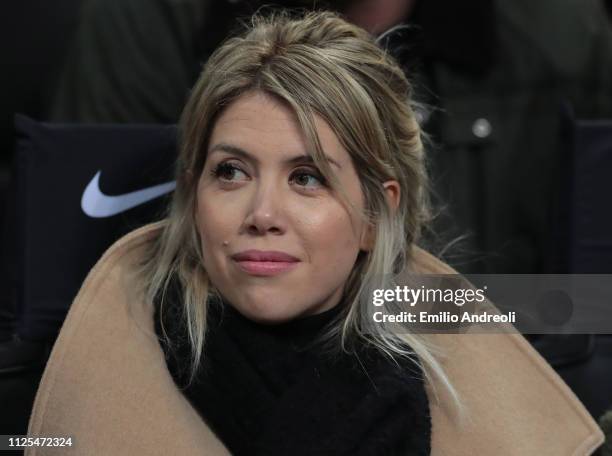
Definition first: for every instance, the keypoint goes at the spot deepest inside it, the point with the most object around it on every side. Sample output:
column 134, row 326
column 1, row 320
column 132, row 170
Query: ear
column 392, row 195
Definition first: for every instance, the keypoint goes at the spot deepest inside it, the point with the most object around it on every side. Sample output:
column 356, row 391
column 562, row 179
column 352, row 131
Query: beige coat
column 107, row 385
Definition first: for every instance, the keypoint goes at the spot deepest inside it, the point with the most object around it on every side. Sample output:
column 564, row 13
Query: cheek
column 332, row 240
column 212, row 223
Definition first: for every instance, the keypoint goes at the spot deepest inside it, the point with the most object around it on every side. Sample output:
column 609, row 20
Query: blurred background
column 516, row 98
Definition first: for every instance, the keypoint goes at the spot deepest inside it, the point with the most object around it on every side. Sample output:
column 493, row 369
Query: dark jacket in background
column 500, row 84
column 131, row 61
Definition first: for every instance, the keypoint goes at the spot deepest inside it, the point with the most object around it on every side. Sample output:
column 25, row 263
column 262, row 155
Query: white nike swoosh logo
column 98, row 205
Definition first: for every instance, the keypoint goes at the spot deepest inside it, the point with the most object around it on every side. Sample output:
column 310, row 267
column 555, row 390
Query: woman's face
column 276, row 243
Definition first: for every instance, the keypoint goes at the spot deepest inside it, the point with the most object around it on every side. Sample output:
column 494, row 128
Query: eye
column 229, row 172
column 308, row 178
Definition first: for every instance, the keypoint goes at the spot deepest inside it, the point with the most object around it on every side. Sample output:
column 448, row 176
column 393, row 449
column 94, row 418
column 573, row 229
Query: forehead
column 267, row 127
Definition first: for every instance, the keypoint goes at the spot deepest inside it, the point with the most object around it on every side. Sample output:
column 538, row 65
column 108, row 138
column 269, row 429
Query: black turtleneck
column 277, row 390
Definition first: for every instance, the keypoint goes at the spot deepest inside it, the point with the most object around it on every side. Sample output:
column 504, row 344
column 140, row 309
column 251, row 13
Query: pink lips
column 264, row 263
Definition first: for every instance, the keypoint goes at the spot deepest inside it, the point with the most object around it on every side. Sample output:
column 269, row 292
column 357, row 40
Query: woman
column 300, row 188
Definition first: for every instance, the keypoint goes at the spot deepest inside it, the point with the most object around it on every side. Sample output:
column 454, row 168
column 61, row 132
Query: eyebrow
column 229, row 148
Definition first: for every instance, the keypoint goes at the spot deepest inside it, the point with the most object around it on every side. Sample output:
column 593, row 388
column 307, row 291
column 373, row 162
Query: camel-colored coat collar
column 107, row 385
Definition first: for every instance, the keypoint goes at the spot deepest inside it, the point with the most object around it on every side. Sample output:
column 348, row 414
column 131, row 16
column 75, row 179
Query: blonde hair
column 318, row 64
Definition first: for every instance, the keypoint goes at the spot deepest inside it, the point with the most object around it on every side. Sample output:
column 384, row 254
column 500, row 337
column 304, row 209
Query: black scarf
column 275, row 390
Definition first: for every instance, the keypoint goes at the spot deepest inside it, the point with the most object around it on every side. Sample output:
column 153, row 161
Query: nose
column 265, row 213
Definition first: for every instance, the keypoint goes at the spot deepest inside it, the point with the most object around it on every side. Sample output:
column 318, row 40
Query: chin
column 267, row 312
